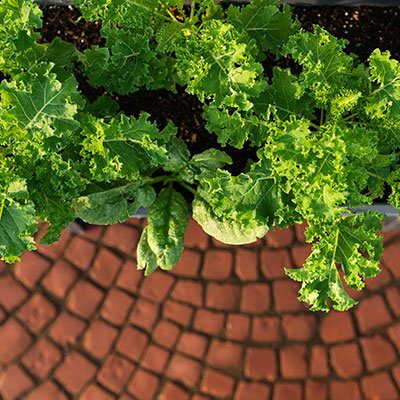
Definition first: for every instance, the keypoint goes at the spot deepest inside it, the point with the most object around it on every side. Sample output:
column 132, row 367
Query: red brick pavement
column 78, row 321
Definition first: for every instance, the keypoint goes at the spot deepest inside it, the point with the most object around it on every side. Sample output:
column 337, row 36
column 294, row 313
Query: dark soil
column 366, row 28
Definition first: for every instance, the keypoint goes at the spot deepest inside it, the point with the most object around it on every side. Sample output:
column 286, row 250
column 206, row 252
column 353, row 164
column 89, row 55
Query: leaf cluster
column 327, row 137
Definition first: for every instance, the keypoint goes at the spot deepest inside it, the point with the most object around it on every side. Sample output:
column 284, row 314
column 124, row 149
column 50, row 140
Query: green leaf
column 59, row 53
column 123, row 148
column 384, row 102
column 16, row 16
column 125, row 63
column 326, row 68
column 18, row 190
column 264, row 22
column 233, row 128
column 286, row 94
column 136, row 143
column 46, row 104
column 205, row 164
column 114, row 205
column 167, row 221
column 394, row 182
column 344, row 242
column 226, row 230
column 250, row 198
column 143, row 197
column 129, row 13
column 178, row 156
column 146, row 258
column 17, row 225
column 103, row 107
column 213, row 11
column 219, row 63
column 51, row 208
column 170, row 37
column 310, row 168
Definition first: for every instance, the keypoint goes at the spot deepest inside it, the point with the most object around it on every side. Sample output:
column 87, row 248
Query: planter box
column 392, row 222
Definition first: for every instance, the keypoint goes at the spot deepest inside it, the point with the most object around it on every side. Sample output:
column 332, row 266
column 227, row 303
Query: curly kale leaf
column 383, row 104
column 169, row 37
column 235, row 128
column 394, row 182
column 307, row 168
column 343, row 242
column 251, row 199
column 286, row 95
column 61, row 55
column 123, row 148
column 219, row 63
column 47, row 103
column 324, row 170
column 178, row 156
column 264, row 22
column 128, row 62
column 128, row 13
column 224, row 229
column 326, row 68
column 17, row 17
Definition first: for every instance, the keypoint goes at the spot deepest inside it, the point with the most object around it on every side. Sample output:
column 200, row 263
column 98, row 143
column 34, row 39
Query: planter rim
column 337, row 3
column 381, row 208
column 390, row 223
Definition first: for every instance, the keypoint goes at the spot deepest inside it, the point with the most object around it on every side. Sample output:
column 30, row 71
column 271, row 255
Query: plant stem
column 314, row 125
column 151, row 181
column 192, row 10
column 186, row 186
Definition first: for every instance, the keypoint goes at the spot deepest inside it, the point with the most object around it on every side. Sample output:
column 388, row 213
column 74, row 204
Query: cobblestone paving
column 78, row 321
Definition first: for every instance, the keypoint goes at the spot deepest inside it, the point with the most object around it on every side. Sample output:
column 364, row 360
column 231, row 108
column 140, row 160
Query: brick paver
column 42, row 358
column 237, row 327
column 115, row 373
column 14, row 382
column 79, row 321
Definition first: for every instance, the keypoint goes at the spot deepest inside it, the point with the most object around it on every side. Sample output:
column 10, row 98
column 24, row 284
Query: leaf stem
column 173, row 16
column 334, row 255
column 169, row 13
column 336, row 245
column 375, row 175
column 3, row 203
column 349, row 117
column 314, row 125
